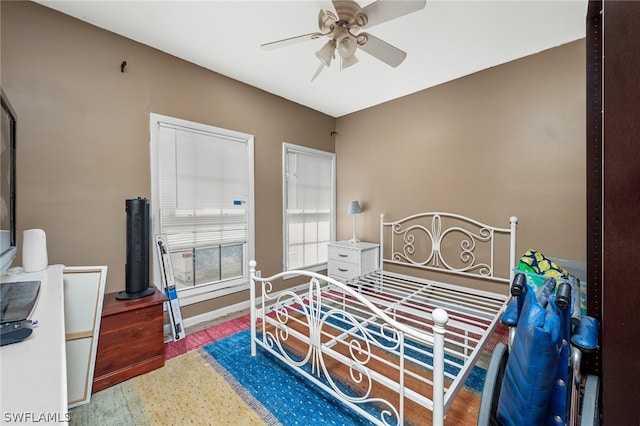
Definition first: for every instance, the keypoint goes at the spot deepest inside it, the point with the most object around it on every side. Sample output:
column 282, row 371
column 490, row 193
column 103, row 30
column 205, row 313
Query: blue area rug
column 290, row 399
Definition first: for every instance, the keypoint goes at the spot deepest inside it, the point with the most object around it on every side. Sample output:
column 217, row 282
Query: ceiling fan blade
column 318, row 71
column 291, row 40
column 382, row 50
column 383, row 11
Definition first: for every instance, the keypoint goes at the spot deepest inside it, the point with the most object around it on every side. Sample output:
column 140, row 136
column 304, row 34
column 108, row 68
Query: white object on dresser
column 34, row 250
column 348, row 260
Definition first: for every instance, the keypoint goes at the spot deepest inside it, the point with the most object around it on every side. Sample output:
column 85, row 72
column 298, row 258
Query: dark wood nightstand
column 131, row 339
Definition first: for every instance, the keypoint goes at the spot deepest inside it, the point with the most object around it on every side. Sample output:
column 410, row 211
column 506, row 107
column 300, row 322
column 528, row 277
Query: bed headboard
column 449, row 243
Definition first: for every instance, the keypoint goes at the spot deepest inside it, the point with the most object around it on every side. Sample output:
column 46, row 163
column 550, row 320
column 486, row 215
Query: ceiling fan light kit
column 342, row 26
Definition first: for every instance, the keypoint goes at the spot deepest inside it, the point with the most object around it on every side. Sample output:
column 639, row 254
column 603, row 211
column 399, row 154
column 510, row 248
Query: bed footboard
column 351, row 349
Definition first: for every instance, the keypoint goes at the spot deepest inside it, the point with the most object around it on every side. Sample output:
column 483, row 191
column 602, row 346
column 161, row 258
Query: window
column 309, row 206
column 202, row 200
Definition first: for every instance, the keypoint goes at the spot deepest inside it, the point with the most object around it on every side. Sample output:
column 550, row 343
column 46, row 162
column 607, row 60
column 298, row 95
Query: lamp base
column 354, row 240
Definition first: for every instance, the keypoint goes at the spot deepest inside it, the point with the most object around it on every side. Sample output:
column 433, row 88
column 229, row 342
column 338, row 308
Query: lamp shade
column 354, row 207
column 348, row 61
column 347, row 46
column 326, row 53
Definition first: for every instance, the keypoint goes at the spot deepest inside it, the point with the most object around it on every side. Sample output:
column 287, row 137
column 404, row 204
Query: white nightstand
column 349, row 260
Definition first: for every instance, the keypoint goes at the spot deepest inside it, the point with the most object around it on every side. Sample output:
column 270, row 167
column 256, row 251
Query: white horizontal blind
column 309, row 206
column 309, row 183
column 203, row 187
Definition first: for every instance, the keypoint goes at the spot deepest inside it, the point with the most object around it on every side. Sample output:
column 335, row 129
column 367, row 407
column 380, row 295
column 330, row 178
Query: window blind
column 203, row 187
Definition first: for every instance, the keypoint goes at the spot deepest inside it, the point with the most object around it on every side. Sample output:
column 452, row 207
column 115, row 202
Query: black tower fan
column 138, row 245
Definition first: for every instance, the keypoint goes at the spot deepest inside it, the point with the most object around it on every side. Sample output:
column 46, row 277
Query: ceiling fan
column 342, row 20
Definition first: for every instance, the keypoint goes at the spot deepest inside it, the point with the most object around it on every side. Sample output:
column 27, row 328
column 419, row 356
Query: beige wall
column 505, row 141
column 83, row 134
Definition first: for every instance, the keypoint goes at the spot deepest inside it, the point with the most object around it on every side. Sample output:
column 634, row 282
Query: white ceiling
column 446, row 40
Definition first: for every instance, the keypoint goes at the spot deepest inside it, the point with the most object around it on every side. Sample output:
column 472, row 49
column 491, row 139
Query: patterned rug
column 210, row 378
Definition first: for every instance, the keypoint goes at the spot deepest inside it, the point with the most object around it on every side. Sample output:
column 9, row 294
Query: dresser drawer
column 130, row 338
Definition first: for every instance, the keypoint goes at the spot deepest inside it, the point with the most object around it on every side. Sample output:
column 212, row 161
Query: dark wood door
column 614, row 211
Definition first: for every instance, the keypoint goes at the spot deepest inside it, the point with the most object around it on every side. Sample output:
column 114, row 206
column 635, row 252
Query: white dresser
column 349, row 260
column 34, row 371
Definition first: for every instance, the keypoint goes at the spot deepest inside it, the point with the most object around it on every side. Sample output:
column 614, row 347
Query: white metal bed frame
column 390, row 321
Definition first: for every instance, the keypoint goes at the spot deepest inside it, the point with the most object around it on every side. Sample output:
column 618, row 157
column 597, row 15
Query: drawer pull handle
column 342, row 270
column 343, row 255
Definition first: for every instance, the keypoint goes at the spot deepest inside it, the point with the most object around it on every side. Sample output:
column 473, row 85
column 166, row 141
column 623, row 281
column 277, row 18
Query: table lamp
column 354, row 209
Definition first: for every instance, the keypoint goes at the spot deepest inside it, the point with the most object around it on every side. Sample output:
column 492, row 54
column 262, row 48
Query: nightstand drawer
column 345, row 270
column 343, row 254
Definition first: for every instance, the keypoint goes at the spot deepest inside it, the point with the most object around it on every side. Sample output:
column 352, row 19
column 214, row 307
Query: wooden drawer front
column 344, row 254
column 129, row 338
column 344, row 270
